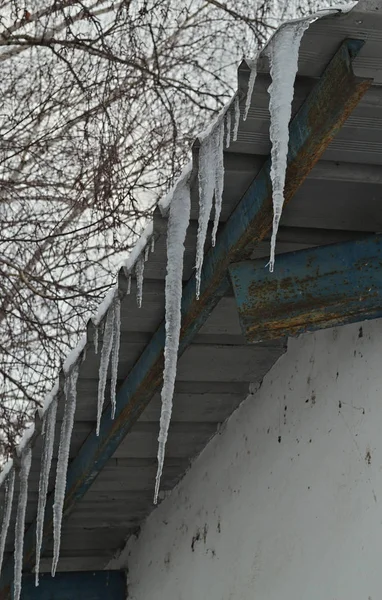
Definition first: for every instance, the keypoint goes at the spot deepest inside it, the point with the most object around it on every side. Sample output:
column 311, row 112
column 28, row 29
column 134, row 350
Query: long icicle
column 116, row 307
column 228, row 119
column 8, row 503
column 26, row 461
column 48, row 431
column 176, row 234
column 283, row 52
column 206, row 175
column 95, row 339
column 251, row 85
column 219, row 178
column 107, row 343
column 139, row 272
column 63, row 459
column 237, row 118
column 211, row 184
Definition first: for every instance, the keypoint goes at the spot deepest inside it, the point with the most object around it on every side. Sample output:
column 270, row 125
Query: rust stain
column 263, row 328
column 352, row 92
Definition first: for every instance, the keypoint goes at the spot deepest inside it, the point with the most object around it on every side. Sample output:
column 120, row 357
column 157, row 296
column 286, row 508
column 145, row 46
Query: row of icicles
column 283, row 54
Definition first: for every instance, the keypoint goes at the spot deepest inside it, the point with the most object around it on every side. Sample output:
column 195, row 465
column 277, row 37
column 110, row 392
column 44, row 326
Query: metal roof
column 339, row 199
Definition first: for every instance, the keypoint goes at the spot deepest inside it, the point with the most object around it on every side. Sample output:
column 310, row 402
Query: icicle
column 139, row 270
column 206, row 176
column 228, row 128
column 129, row 285
column 147, row 251
column 95, row 339
column 211, row 183
column 284, row 62
column 107, row 343
column 48, row 431
column 251, row 85
column 26, row 461
column 63, row 459
column 152, row 245
column 8, row 503
column 219, row 178
column 176, row 234
column 237, row 118
column 115, row 350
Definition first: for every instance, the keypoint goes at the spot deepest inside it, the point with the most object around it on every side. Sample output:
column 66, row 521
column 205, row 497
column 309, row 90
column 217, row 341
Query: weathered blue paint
column 324, row 111
column 89, row 585
column 310, row 289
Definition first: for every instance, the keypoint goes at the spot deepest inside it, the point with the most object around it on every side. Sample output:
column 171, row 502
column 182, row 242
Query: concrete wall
column 286, row 501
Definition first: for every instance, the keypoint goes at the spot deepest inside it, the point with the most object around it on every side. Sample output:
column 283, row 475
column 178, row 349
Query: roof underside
column 340, row 199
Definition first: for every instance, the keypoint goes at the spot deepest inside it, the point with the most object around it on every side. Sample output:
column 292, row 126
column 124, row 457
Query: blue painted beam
column 88, row 585
column 310, row 289
column 325, row 110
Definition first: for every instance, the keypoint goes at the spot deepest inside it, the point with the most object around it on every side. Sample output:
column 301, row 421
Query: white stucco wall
column 286, row 501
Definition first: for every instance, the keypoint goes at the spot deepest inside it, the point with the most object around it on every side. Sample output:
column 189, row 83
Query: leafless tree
column 99, row 100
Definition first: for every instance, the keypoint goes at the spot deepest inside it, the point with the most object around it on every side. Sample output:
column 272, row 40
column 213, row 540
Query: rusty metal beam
column 310, row 289
column 318, row 120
